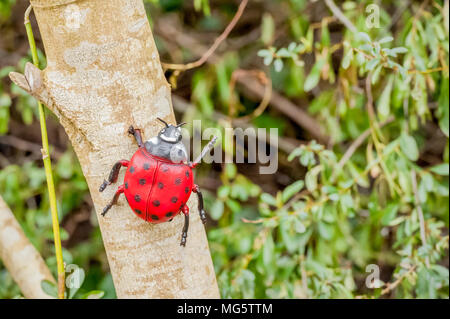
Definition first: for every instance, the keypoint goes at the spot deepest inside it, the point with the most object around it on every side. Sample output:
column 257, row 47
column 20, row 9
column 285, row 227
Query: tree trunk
column 103, row 74
column 22, row 260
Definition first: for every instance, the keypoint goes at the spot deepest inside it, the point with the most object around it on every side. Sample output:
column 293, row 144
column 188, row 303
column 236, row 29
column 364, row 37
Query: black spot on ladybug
column 178, row 181
column 146, row 166
column 126, row 185
column 138, row 211
column 165, row 169
column 142, row 181
column 186, row 190
column 174, row 199
column 154, row 217
column 169, row 214
column 137, row 198
column 156, row 203
column 160, row 185
column 131, row 170
column 187, row 173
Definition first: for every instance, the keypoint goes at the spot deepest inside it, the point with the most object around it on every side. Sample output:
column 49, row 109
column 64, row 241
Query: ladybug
column 158, row 181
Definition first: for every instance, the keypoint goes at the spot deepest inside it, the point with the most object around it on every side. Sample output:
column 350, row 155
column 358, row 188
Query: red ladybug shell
column 156, row 188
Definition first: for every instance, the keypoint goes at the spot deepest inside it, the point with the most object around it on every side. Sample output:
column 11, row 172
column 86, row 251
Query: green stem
column 48, row 167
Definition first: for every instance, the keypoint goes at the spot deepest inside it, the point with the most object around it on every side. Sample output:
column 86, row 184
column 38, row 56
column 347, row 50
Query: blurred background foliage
column 364, row 181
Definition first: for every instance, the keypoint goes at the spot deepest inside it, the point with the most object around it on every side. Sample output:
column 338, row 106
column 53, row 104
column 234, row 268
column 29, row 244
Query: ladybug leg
column 113, row 174
column 119, row 191
column 201, row 210
column 185, row 211
column 137, row 135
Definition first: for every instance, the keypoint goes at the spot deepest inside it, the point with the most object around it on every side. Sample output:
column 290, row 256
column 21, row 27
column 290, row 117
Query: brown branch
column 27, row 146
column 252, row 88
column 263, row 79
column 390, row 287
column 285, row 106
column 358, row 142
column 217, row 42
column 20, row 257
column 340, row 16
column 286, row 145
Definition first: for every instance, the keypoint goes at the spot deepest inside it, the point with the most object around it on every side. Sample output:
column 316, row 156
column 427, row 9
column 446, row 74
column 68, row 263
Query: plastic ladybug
column 158, row 180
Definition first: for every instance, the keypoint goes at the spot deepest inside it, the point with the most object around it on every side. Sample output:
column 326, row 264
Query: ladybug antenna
column 181, row 124
column 165, row 123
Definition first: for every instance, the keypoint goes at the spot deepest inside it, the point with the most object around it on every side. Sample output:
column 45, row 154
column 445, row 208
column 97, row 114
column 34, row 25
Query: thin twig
column 263, row 79
column 374, row 130
column 48, row 168
column 217, row 42
column 284, row 144
column 390, row 287
column 340, row 16
column 26, row 146
column 358, row 142
column 253, row 88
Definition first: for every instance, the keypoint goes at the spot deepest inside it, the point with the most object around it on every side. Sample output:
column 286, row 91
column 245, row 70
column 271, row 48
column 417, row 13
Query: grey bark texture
column 103, row 74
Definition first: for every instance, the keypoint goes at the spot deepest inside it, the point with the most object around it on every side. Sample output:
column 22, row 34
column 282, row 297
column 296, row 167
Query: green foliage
column 315, row 238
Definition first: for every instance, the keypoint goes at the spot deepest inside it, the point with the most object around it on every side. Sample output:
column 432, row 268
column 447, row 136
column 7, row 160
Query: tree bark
column 22, row 260
column 103, row 74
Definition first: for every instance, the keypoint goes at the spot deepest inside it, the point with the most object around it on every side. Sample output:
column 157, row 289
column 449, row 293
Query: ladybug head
column 170, row 133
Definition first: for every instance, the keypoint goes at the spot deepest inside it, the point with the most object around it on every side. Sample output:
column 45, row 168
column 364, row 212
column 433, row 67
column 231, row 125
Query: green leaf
column 268, row 251
column 409, row 147
column 347, row 59
column 443, row 108
column 78, row 277
column 399, row 50
column 389, row 214
column 372, row 64
column 217, row 210
column 314, row 76
column 268, row 199
column 386, row 40
column 230, row 170
column 384, row 103
column 326, row 231
column 94, row 294
column 223, row 191
column 291, row 190
column 267, row 29
column 49, row 288
column 441, row 169
column 363, row 36
column 311, row 178
column 278, row 65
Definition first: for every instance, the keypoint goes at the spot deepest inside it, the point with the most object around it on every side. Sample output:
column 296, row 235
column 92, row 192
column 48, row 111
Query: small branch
column 420, row 213
column 20, row 257
column 285, row 106
column 26, row 146
column 181, row 105
column 264, row 80
column 217, row 42
column 340, row 15
column 374, row 129
column 253, row 88
column 390, row 287
column 35, row 82
column 358, row 142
